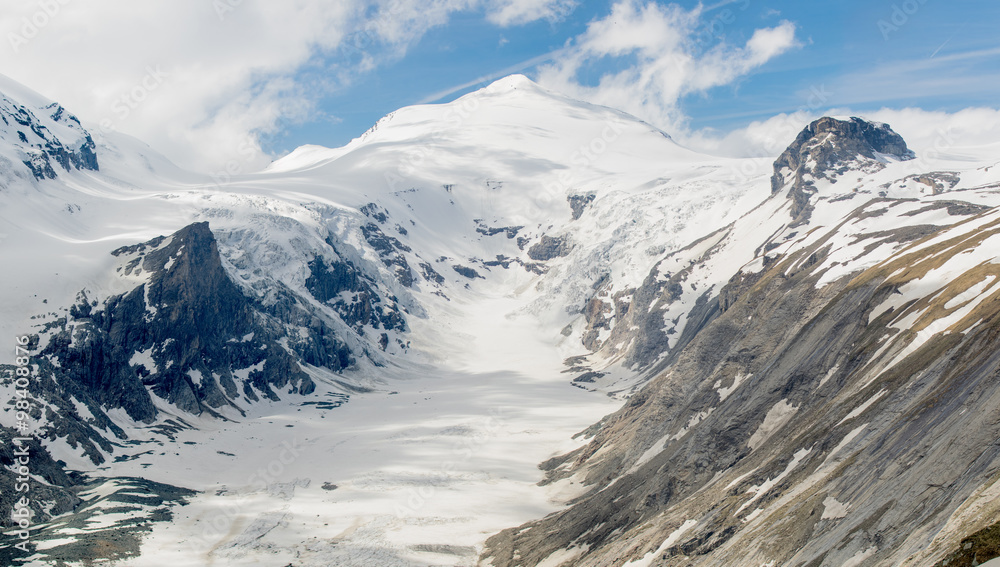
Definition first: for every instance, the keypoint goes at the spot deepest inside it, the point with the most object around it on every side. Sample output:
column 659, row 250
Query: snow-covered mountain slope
column 457, row 241
column 359, row 355
column 838, row 168
column 487, row 178
column 489, row 191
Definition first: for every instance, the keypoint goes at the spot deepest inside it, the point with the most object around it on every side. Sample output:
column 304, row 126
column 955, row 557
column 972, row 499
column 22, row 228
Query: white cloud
column 762, row 138
column 664, row 60
column 222, row 68
column 402, row 22
column 935, row 133
column 518, row 12
column 199, row 79
column 928, row 133
column 226, row 71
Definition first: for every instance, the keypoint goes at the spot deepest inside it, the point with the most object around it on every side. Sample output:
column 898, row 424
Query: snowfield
column 423, row 474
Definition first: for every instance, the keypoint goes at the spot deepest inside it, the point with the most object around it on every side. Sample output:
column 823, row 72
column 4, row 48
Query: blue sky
column 858, row 54
column 233, row 75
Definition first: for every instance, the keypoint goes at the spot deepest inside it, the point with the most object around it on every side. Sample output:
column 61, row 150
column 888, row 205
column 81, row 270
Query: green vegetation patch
column 976, row 549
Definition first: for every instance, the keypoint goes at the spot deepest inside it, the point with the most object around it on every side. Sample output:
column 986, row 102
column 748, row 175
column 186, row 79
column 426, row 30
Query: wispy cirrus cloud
column 518, row 12
column 492, row 76
column 968, row 72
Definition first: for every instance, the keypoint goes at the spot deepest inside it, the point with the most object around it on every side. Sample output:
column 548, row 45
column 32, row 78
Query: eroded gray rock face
column 95, row 534
column 187, row 334
column 56, row 490
column 781, row 433
column 828, row 148
column 637, row 317
column 549, row 247
column 602, row 311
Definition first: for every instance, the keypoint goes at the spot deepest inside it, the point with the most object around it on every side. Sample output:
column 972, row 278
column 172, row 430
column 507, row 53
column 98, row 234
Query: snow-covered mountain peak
column 509, row 119
column 511, row 82
column 10, row 88
column 829, row 144
column 533, row 180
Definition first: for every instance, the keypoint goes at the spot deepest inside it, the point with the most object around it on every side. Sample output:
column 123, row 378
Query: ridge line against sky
column 203, row 81
column 445, row 95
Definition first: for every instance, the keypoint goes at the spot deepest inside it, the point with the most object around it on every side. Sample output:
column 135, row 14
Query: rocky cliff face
column 186, row 334
column 826, row 150
column 688, row 288
column 50, row 490
column 42, row 138
column 807, row 414
column 784, row 432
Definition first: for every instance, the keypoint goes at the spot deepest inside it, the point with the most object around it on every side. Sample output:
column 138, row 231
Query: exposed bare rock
column 828, row 148
column 549, row 247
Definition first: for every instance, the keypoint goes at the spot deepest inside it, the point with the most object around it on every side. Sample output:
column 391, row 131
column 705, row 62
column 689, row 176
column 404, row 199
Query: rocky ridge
column 826, row 403
column 43, row 138
column 829, row 148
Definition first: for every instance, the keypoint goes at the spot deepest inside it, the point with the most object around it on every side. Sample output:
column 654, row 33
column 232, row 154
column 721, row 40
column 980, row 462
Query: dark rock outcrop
column 188, row 334
column 509, row 231
column 390, row 251
column 549, row 247
column 826, row 149
column 97, row 538
column 41, row 149
column 56, row 490
column 578, row 203
column 466, row 271
column 375, row 212
column 342, row 285
column 430, row 274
